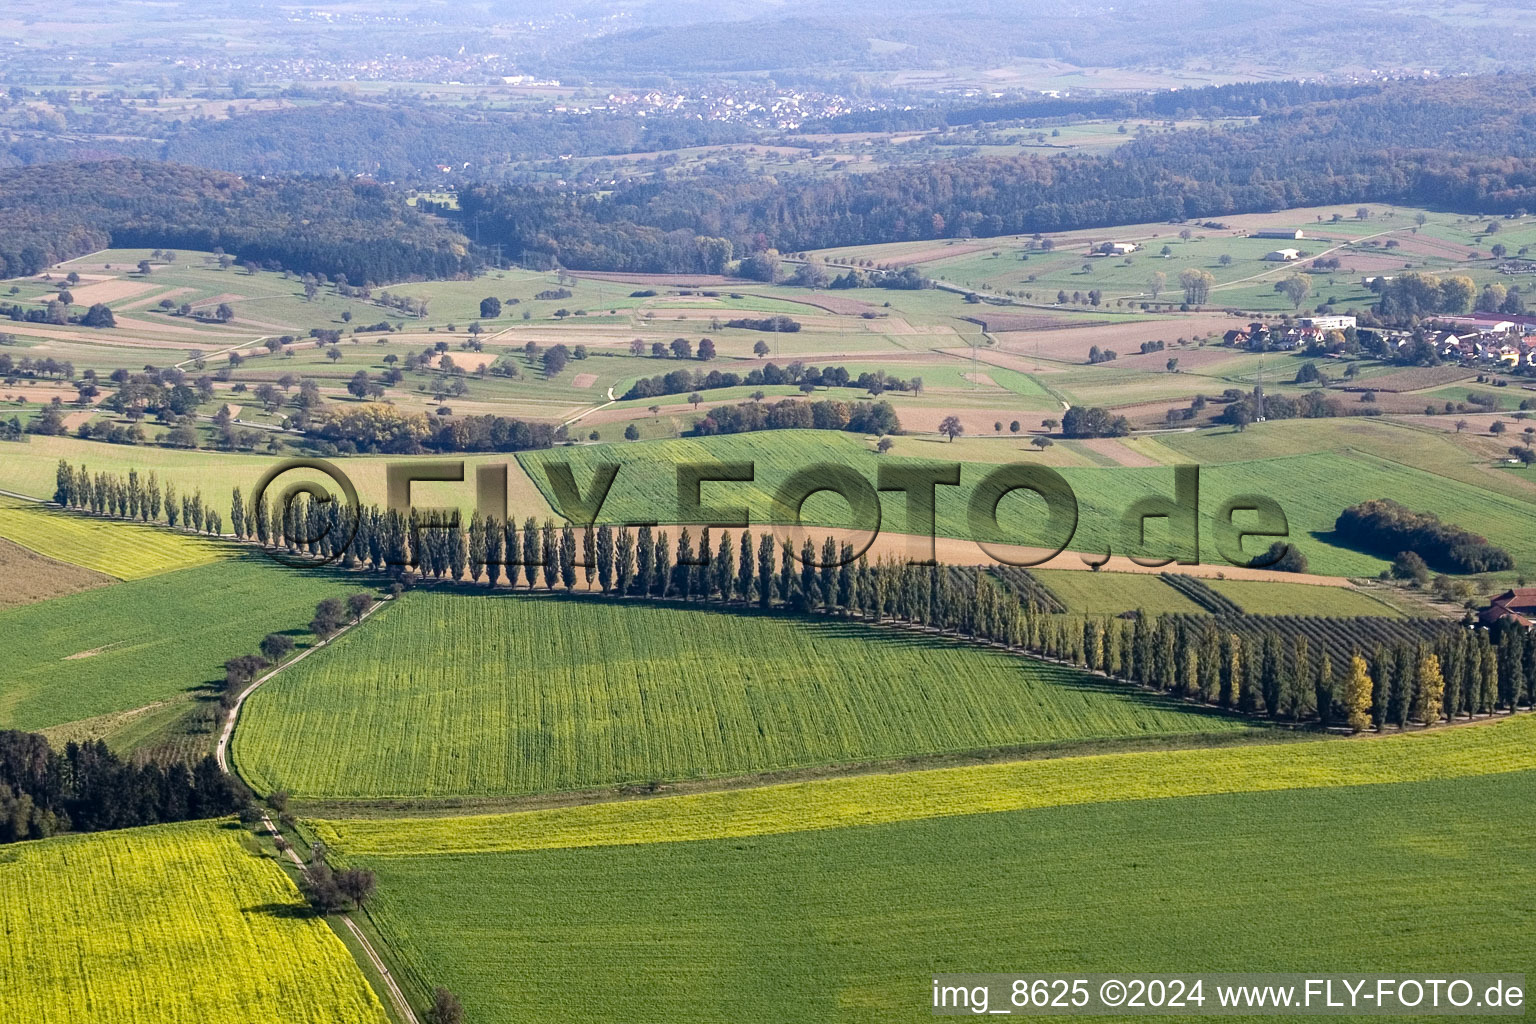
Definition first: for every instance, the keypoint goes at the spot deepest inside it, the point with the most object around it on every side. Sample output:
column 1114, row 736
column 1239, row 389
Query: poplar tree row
column 1266, row 673
column 132, row 497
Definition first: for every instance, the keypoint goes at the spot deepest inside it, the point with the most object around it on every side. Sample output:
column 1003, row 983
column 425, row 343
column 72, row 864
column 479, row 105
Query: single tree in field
column 1196, row 284
column 1156, row 283
column 1357, row 695
column 356, row 884
column 358, row 605
column 1296, row 288
column 760, row 349
column 445, row 1008
column 695, row 398
column 951, row 427
column 631, row 433
column 330, row 616
column 276, row 646
column 1041, row 441
column 884, row 445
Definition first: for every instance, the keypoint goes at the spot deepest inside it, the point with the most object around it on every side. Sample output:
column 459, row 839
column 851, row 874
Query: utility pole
column 1260, row 417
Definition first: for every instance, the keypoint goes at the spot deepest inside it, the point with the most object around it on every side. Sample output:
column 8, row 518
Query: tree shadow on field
column 283, row 911
column 1066, row 677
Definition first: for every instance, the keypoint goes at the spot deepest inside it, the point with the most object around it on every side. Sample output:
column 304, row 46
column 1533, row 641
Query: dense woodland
column 398, row 141
column 1386, row 528
column 1465, row 145
column 87, row 788
column 355, row 230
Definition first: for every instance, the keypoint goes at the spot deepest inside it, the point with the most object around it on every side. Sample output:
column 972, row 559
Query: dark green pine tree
column 604, row 557
column 476, row 547
column 1471, row 676
column 236, row 508
column 746, row 568
column 1269, row 675
column 588, row 559
column 1489, row 690
column 624, row 561
column 786, row 574
column 846, row 598
column 531, row 551
column 1404, row 679
column 549, row 554
column 724, row 569
column 1528, row 673
column 1383, row 665
column 1323, row 689
column 808, row 586
column 458, row 551
column 568, row 557
column 765, row 567
column 494, row 535
column 645, row 561
column 662, row 582
column 1511, row 660
column 828, row 573
column 685, row 566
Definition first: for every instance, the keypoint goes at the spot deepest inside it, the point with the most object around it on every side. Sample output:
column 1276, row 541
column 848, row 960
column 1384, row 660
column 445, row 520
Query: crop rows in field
column 481, row 694
column 845, row 925
column 1028, row 587
column 1272, row 597
column 127, row 551
column 129, row 645
column 1452, row 752
column 173, row 924
column 1198, row 592
column 1341, row 637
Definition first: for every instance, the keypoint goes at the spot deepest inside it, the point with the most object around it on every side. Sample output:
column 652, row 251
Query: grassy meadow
column 171, row 923
column 152, row 640
column 487, row 695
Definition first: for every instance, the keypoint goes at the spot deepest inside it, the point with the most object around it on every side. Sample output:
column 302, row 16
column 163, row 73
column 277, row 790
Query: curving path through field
column 221, row 752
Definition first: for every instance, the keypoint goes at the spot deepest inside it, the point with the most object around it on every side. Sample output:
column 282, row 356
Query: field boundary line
column 1442, row 752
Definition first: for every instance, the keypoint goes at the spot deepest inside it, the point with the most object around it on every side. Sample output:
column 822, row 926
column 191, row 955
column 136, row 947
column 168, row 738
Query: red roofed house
column 1518, row 604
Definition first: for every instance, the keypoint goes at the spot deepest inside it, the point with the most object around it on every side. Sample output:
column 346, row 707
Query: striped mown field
column 477, row 694
column 172, row 924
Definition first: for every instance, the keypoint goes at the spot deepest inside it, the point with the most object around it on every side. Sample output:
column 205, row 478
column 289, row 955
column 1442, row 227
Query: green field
column 1100, row 593
column 150, row 640
column 1266, row 598
column 876, row 799
column 173, row 923
column 483, row 695
column 848, row 924
column 128, row 551
column 1312, row 490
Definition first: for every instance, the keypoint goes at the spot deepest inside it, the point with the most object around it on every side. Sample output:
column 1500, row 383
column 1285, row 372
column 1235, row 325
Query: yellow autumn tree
column 1357, row 695
column 1432, row 684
